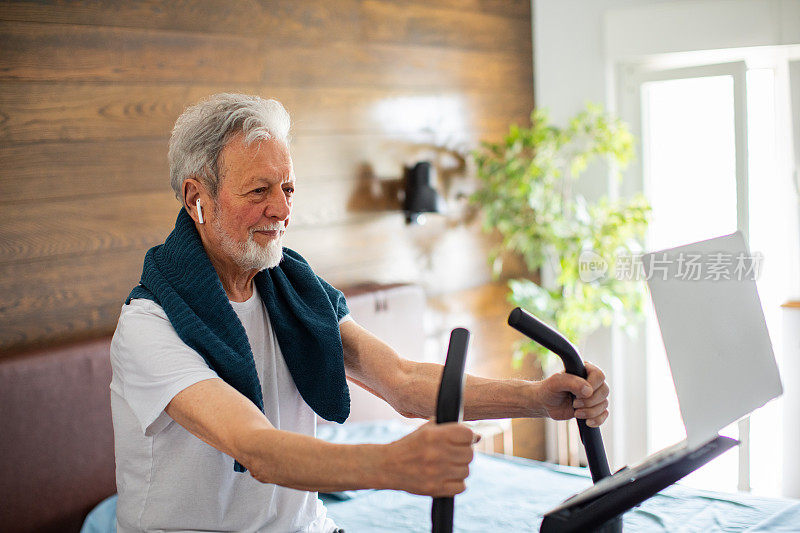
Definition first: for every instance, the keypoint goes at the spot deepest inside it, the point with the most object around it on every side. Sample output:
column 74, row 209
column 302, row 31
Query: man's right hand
column 431, row 461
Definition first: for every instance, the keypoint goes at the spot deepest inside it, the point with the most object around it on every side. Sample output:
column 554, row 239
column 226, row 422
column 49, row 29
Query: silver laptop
column 716, row 341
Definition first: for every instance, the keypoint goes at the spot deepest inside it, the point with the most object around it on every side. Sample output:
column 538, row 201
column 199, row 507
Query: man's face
column 253, row 204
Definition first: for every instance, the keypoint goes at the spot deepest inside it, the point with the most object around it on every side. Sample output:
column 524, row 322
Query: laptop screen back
column 714, row 332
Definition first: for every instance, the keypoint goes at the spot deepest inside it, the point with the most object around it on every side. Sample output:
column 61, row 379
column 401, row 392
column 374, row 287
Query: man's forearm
column 305, row 463
column 483, row 397
column 500, row 398
column 432, row 460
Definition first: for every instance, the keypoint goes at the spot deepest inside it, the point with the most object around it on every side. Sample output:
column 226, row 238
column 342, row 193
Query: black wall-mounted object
column 420, row 196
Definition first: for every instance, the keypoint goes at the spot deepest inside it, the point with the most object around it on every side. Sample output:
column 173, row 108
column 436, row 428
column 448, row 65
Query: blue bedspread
column 507, row 495
column 510, row 495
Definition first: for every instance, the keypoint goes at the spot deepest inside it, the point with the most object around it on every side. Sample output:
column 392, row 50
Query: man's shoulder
column 142, row 322
column 145, row 341
column 144, row 309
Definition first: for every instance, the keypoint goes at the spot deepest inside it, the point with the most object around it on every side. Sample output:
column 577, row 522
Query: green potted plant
column 574, row 251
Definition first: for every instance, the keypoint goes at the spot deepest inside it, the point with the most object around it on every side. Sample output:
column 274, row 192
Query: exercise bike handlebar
column 535, row 329
column 449, row 408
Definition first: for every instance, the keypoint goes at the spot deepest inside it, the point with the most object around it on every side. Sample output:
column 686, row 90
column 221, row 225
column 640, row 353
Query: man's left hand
column 563, row 396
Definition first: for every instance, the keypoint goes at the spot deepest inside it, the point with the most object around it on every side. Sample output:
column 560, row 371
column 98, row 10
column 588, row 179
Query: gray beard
column 251, row 255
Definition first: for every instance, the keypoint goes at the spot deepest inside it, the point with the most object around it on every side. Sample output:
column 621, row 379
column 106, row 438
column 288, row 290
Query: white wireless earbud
column 199, row 212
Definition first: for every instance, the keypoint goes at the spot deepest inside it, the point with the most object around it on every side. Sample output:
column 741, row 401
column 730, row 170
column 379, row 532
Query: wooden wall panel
column 39, row 171
column 66, row 298
column 84, row 225
column 311, row 21
column 351, row 64
column 477, row 24
column 70, row 111
column 391, row 22
column 65, row 52
column 89, row 91
column 58, row 52
column 513, row 9
column 45, row 171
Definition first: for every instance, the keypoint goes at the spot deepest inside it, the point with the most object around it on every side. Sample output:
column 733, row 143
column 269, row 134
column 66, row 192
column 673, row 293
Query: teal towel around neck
column 304, row 311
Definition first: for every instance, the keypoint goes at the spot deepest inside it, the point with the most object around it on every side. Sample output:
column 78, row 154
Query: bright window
column 690, row 176
column 690, row 180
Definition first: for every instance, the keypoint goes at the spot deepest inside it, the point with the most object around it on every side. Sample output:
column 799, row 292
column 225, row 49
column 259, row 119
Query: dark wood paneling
column 58, row 52
column 469, row 24
column 379, row 65
column 35, row 112
column 336, row 65
column 53, row 170
column 422, row 24
column 515, row 9
column 89, row 92
column 64, row 298
column 78, row 112
column 85, row 225
column 310, row 21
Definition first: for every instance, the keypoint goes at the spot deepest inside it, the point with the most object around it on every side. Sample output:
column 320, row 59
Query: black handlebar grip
column 532, row 327
column 449, row 409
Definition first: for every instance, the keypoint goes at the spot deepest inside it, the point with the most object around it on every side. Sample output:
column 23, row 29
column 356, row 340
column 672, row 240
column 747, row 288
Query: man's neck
column 238, row 287
column 238, row 283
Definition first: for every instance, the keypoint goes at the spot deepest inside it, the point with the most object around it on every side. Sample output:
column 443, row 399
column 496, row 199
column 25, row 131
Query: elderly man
column 230, row 346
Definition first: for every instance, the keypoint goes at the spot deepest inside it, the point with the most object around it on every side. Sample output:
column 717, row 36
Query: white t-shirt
column 168, row 479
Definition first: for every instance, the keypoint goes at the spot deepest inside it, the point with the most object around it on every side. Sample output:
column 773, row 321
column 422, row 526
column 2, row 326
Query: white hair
column 203, row 130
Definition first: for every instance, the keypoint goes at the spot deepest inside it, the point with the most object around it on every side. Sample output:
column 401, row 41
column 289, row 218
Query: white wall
column 574, row 39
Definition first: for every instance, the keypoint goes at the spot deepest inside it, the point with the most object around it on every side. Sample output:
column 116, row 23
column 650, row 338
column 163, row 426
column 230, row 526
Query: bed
column 56, row 446
column 511, row 494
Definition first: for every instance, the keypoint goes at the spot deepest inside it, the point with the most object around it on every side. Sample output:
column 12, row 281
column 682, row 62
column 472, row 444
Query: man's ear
column 195, row 200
